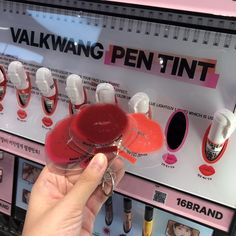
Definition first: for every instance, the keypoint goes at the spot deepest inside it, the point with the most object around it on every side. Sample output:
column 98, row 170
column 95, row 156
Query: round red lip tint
column 56, row 145
column 99, row 124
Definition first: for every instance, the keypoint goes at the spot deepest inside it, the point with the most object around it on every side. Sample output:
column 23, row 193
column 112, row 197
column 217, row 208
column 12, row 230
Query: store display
column 152, row 86
column 135, row 217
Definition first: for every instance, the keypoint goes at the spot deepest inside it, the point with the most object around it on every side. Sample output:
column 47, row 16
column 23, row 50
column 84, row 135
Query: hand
column 67, row 205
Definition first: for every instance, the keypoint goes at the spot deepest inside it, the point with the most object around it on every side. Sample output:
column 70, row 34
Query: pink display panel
column 216, row 7
column 200, row 210
column 203, row 211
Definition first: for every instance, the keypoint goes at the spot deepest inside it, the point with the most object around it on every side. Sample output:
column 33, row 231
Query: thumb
column 87, row 183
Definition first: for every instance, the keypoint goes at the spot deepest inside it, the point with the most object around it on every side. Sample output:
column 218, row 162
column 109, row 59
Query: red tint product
column 100, row 124
column 21, row 80
column 3, row 83
column 75, row 92
column 100, row 128
column 47, row 86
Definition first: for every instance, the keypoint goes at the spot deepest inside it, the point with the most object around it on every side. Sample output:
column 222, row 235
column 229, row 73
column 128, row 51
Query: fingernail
column 98, row 162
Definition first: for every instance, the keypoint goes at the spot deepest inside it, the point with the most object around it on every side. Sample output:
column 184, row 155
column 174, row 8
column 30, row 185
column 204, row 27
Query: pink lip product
column 21, row 81
column 47, row 87
column 139, row 103
column 75, row 92
column 105, row 93
column 108, row 211
column 222, row 127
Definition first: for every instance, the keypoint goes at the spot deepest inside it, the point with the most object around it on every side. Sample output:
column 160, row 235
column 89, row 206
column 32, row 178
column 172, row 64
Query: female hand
column 67, row 205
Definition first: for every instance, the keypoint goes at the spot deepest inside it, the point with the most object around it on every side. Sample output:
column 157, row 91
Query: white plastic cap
column 17, row 75
column 1, row 77
column 105, row 93
column 45, row 82
column 74, row 89
column 222, row 127
column 139, row 103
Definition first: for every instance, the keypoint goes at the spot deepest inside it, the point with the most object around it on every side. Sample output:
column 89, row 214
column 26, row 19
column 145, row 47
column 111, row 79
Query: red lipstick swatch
column 99, row 124
column 207, row 170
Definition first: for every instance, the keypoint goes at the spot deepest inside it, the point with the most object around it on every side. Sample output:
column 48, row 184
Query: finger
column 87, row 183
column 98, row 198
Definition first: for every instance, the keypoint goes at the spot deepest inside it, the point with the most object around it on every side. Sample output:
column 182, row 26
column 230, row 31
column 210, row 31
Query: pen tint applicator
column 21, row 80
column 105, row 93
column 17, row 75
column 3, row 84
column 99, row 124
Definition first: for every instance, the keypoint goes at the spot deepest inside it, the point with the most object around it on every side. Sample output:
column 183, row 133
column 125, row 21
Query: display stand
column 183, row 58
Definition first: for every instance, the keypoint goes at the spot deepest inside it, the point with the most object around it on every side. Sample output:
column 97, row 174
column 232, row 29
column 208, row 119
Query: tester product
column 75, row 92
column 47, row 87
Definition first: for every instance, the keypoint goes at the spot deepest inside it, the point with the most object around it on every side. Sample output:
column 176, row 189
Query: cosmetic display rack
column 181, row 55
